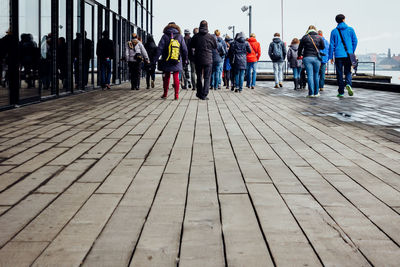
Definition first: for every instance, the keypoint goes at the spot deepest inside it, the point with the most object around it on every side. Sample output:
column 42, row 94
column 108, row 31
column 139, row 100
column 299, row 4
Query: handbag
column 351, row 56
column 319, row 53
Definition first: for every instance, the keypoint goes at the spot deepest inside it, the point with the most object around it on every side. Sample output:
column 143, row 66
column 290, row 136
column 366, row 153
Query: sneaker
column 190, row 86
column 321, row 89
column 310, row 96
column 340, row 95
column 349, row 90
column 252, row 87
column 163, row 97
column 276, row 86
column 152, row 84
column 281, row 84
column 236, row 90
column 176, row 97
column 317, row 95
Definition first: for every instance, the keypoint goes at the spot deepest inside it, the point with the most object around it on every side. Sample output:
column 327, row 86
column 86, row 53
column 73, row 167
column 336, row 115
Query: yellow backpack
column 173, row 51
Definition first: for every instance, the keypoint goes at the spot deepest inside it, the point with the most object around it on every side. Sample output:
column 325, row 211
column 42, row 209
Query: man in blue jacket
column 339, row 55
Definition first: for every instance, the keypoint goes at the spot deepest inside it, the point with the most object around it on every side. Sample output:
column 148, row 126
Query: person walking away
column 343, row 43
column 309, row 50
column 239, row 49
column 135, row 54
column 45, row 62
column 29, row 58
column 87, row 57
column 252, row 60
column 151, row 49
column 172, row 48
column 218, row 61
column 324, row 61
column 277, row 53
column 294, row 62
column 227, row 64
column 105, row 53
column 62, row 59
column 185, row 74
column 202, row 45
column 192, row 61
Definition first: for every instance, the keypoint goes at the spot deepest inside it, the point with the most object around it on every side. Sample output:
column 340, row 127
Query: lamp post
column 233, row 30
column 244, row 9
column 282, row 17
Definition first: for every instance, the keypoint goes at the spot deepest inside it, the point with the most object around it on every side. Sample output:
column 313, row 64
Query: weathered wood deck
column 123, row 178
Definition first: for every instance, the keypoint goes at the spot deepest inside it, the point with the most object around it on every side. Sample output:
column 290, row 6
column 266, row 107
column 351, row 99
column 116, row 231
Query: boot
column 295, row 84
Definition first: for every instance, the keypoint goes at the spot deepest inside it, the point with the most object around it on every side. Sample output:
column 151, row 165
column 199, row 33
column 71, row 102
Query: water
column 394, row 73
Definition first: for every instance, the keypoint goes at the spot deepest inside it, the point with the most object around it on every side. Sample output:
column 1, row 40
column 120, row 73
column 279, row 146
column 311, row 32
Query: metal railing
column 267, row 66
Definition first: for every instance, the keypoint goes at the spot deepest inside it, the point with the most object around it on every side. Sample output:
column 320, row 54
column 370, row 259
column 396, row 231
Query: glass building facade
column 48, row 47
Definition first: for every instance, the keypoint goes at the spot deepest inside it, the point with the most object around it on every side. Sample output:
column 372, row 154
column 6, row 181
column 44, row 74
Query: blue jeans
column 105, row 72
column 251, row 74
column 322, row 71
column 312, row 68
column 343, row 63
column 278, row 72
column 239, row 78
column 216, row 75
column 296, row 73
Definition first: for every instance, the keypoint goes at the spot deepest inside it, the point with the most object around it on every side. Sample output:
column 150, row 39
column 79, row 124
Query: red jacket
column 255, row 54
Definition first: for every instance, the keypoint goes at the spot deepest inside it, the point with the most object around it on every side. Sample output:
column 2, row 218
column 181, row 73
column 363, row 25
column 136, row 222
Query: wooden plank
column 102, row 168
column 71, row 155
column 21, row 214
column 333, row 246
column 202, row 243
column 18, row 191
column 244, row 241
column 118, row 239
column 75, row 240
column 120, row 178
column 21, row 253
column 162, row 230
column 285, row 238
column 4, row 209
column 10, row 178
column 49, row 223
column 100, row 149
column 66, row 177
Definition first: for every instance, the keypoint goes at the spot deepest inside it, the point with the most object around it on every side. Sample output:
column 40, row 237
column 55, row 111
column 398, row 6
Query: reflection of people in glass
column 29, row 58
column 87, row 53
column 45, row 62
column 105, row 53
column 8, row 55
column 62, row 59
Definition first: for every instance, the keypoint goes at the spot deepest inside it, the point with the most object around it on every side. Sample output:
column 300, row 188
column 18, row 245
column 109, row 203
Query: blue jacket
column 325, row 58
column 336, row 48
column 221, row 49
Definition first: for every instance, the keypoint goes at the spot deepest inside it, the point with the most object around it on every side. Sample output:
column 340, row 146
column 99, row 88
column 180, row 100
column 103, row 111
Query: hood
column 276, row 40
column 342, row 26
column 203, row 29
column 252, row 40
column 240, row 38
column 295, row 47
column 172, row 28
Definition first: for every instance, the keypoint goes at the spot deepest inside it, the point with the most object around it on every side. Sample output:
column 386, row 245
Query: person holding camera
column 135, row 54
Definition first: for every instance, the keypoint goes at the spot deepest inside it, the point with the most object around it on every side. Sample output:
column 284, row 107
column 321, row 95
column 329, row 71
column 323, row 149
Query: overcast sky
column 377, row 23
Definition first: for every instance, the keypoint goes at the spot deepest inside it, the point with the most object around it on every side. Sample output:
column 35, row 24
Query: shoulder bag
column 351, row 56
column 319, row 53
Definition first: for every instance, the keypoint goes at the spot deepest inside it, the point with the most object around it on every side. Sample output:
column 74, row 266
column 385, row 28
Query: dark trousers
column 105, row 69
column 343, row 65
column 134, row 69
column 193, row 73
column 85, row 68
column 303, row 78
column 227, row 77
column 203, row 72
column 150, row 73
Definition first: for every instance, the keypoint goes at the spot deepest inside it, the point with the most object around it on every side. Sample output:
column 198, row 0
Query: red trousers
column 166, row 78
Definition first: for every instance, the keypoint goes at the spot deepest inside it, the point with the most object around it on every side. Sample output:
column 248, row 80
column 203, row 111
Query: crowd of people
column 203, row 61
column 207, row 61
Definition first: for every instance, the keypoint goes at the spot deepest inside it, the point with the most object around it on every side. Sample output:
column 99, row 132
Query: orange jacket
column 255, row 54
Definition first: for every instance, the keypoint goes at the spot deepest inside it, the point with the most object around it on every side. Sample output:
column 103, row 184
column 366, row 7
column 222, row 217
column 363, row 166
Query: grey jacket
column 292, row 56
column 137, row 49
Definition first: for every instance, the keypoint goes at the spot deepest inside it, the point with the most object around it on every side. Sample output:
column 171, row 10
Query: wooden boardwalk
column 124, row 178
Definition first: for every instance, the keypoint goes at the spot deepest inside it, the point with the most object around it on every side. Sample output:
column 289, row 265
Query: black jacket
column 105, row 49
column 307, row 48
column 87, row 49
column 238, row 52
column 151, row 49
column 188, row 41
column 202, row 45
